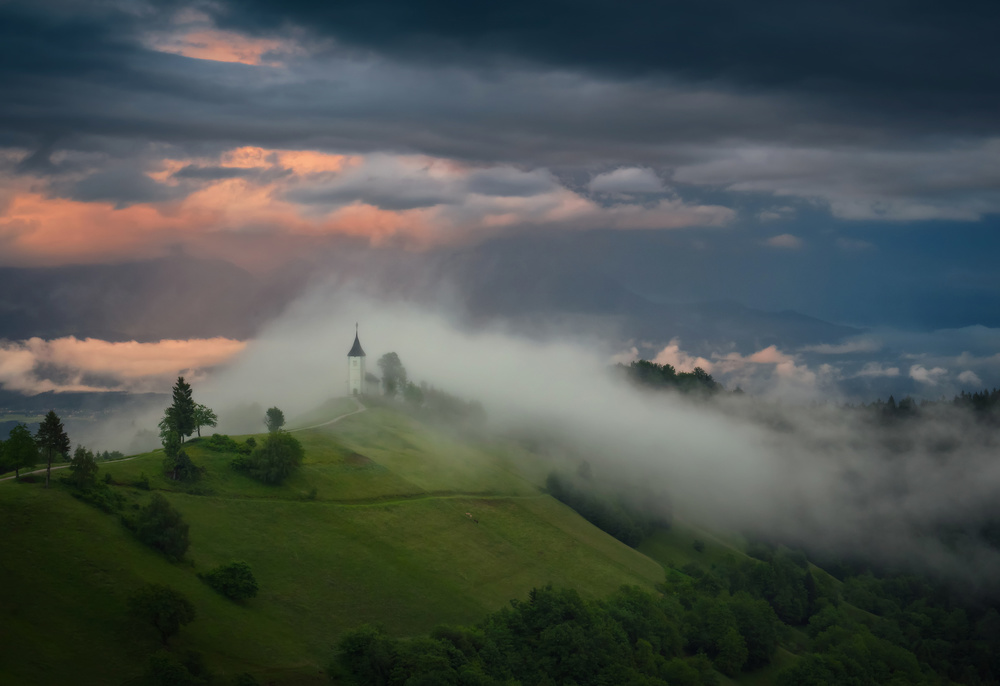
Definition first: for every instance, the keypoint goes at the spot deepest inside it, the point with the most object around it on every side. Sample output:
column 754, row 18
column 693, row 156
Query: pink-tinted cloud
column 680, row 360
column 70, row 364
column 417, row 201
column 785, row 240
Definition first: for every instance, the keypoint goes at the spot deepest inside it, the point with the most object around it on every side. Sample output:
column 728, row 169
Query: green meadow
column 388, row 521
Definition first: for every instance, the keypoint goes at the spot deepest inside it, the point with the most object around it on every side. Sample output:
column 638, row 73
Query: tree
column 180, row 415
column 83, row 468
column 160, row 526
column 163, row 607
column 204, row 416
column 52, row 438
column 732, row 652
column 180, row 467
column 275, row 458
column 20, row 450
column 274, row 420
column 393, row 374
column 235, row 581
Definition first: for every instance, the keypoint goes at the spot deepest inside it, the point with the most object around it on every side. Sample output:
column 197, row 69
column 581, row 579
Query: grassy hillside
column 373, row 528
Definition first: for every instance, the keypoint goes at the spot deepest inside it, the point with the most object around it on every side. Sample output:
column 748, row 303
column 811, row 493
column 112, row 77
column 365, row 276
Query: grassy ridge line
column 387, row 541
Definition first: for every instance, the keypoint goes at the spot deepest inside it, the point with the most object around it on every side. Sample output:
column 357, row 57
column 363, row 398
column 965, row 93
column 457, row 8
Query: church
column 356, row 372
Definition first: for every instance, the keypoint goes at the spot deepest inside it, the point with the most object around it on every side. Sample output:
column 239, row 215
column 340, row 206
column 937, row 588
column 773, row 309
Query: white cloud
column 875, row 369
column 971, row 378
column 776, row 213
column 626, row 357
column 931, row 377
column 627, row 180
column 863, row 184
column 785, row 240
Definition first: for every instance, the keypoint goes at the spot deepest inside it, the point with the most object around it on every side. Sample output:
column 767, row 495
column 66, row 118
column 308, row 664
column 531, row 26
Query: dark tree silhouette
column 20, row 450
column 52, row 439
column 274, row 420
column 393, row 374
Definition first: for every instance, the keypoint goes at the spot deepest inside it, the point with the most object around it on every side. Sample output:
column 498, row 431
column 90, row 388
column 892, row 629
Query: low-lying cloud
column 825, row 475
column 70, row 364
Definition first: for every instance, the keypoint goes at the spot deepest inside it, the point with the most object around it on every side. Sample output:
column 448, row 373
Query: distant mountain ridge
column 186, row 297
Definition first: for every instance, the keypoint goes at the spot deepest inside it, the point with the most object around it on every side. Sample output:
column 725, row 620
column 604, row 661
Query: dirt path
column 64, row 466
column 361, row 408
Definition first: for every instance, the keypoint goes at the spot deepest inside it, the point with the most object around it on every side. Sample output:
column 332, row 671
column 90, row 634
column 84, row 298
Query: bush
column 235, row 581
column 698, row 545
column 221, row 443
column 160, row 526
column 142, row 482
column 163, row 669
column 102, row 497
column 275, row 459
column 163, row 607
column 83, row 468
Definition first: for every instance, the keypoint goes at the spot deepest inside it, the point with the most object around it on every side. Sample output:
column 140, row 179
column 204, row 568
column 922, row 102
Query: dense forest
column 732, row 618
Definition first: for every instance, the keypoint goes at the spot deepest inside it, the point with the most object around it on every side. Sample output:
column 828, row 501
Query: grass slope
column 384, row 537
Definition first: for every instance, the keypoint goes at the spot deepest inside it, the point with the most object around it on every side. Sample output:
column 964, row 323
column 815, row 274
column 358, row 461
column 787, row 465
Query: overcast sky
column 840, row 159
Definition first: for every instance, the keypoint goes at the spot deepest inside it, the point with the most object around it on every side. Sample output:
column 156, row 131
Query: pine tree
column 52, row 438
column 21, row 450
column 180, row 415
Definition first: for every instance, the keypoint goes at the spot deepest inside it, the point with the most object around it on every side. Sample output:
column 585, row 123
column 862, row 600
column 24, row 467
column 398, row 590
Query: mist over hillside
column 829, row 478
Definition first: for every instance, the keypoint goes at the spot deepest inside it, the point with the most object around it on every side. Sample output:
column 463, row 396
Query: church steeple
column 357, row 375
column 356, row 350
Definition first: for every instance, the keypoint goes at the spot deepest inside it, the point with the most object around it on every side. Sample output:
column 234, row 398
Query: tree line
column 425, row 399
column 646, row 374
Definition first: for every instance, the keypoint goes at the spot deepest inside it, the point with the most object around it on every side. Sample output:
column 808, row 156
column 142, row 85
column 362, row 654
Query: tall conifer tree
column 181, row 414
column 52, row 438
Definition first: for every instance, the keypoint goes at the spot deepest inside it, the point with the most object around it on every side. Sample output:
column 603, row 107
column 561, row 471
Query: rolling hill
column 389, row 521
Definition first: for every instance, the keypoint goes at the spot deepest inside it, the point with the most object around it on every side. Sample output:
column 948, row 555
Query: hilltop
column 375, row 527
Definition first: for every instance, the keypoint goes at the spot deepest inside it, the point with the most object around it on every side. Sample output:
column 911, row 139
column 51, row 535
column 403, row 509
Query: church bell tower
column 356, row 367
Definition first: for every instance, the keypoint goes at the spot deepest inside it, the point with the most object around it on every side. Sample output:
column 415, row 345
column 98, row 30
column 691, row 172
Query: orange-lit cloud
column 70, row 364
column 219, row 46
column 413, row 200
column 680, row 360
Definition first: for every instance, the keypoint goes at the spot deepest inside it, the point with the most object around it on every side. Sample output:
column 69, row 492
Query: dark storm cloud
column 123, row 185
column 885, row 52
column 869, row 112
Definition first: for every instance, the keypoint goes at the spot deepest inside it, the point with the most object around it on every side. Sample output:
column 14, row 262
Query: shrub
column 221, row 443
column 698, row 545
column 160, row 526
column 83, row 468
column 240, row 463
column 102, row 497
column 275, row 459
column 142, row 482
column 234, row 580
column 163, row 607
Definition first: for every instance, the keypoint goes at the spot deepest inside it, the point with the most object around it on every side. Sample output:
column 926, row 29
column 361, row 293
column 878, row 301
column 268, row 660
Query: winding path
column 361, row 408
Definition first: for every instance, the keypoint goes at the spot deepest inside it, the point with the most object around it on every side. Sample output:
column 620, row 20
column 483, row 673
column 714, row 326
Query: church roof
column 356, row 351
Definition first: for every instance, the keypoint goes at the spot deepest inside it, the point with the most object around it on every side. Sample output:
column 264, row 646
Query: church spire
column 356, row 350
